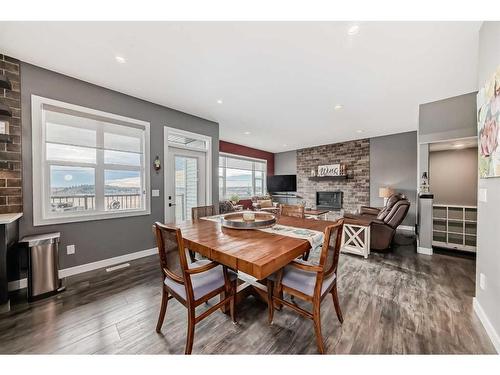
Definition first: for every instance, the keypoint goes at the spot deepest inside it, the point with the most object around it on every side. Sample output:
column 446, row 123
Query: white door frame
column 208, row 162
column 201, row 179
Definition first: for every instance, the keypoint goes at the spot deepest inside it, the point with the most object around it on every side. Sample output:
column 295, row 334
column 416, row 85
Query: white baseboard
column 106, row 263
column 406, row 228
column 66, row 272
column 18, row 284
column 490, row 330
column 424, row 250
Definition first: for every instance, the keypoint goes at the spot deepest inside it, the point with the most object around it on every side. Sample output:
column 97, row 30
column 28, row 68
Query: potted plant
column 234, row 199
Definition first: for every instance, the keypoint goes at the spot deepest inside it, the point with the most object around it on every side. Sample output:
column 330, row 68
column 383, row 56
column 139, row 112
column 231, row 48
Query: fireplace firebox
column 329, row 199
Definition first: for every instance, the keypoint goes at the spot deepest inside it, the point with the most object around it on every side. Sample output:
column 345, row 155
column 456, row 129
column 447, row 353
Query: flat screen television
column 281, row 183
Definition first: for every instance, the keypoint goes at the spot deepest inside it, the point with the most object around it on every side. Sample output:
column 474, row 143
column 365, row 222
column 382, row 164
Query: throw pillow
column 266, row 203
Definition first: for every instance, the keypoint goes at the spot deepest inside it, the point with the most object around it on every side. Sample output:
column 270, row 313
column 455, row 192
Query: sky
column 74, row 176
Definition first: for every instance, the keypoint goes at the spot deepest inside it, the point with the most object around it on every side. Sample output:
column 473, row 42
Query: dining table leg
column 248, row 285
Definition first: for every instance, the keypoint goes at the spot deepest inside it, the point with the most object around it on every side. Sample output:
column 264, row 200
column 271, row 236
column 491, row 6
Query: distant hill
column 90, row 190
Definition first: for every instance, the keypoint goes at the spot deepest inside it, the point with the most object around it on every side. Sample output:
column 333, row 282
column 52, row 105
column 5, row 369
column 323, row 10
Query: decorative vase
column 248, row 216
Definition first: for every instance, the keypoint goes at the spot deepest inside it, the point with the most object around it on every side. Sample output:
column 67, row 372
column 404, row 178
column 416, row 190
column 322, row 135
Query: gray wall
column 488, row 256
column 102, row 239
column 393, row 162
column 448, row 119
column 285, row 162
column 453, row 176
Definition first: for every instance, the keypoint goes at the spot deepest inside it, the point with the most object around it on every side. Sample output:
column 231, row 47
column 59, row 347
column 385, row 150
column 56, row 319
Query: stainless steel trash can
column 43, row 265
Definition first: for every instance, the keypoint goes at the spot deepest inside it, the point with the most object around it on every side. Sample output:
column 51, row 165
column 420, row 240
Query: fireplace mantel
column 327, row 178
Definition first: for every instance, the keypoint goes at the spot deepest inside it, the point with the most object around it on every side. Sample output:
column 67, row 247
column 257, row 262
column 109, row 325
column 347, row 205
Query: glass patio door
column 187, row 189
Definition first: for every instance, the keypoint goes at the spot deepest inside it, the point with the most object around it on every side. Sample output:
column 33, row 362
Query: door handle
column 171, row 204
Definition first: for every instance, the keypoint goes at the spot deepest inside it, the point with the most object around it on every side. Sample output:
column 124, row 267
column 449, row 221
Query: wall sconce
column 157, row 163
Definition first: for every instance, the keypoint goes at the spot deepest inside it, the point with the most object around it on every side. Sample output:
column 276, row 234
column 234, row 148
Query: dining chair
column 310, row 282
column 292, row 210
column 197, row 213
column 203, row 211
column 191, row 284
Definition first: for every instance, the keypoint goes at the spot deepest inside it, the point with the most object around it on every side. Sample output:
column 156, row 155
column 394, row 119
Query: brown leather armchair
column 384, row 221
column 380, row 213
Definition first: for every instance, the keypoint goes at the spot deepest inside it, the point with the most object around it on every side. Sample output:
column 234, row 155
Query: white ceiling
column 279, row 81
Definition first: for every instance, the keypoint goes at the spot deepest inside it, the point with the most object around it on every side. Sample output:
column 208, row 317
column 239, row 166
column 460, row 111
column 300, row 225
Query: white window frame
column 167, row 175
column 235, row 156
column 40, row 167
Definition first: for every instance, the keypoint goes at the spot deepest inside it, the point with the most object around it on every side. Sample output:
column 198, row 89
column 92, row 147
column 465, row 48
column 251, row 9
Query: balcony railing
column 87, row 202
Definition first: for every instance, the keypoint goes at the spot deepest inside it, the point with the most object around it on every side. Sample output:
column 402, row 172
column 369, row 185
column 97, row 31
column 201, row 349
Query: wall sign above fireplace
column 331, row 170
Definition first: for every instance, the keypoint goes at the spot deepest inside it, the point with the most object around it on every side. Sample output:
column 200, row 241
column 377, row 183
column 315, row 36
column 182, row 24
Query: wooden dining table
column 254, row 253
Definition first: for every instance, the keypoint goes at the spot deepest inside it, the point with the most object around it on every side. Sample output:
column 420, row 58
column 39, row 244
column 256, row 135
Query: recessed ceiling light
column 246, row 133
column 120, row 59
column 219, row 101
column 359, row 131
column 338, row 107
column 458, row 145
column 353, row 30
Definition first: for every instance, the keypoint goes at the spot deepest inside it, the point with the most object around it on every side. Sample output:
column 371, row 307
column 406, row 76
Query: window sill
column 89, row 217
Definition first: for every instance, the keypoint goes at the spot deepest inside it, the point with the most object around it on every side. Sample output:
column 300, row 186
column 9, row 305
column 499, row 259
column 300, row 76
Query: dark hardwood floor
column 399, row 302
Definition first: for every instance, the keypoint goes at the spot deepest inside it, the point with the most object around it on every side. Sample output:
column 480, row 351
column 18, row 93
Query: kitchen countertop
column 9, row 218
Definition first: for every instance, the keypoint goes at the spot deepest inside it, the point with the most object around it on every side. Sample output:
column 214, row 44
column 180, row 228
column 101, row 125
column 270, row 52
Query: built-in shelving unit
column 5, row 138
column 5, row 82
column 5, row 110
column 454, row 227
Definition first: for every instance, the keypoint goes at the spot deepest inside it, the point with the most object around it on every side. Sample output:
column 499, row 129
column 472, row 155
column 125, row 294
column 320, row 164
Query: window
column 242, row 176
column 190, row 142
column 87, row 164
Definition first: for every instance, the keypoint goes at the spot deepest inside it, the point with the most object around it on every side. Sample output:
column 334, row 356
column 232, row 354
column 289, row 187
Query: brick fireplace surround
column 354, row 154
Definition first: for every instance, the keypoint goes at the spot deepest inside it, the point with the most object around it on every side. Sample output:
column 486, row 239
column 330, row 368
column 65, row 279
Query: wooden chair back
column 174, row 266
column 328, row 264
column 203, row 211
column 171, row 250
column 330, row 251
column 292, row 210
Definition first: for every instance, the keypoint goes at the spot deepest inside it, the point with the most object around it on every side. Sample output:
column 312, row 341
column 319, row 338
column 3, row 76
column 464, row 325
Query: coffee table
column 316, row 214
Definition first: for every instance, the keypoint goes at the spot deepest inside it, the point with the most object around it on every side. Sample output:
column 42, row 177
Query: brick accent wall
column 354, row 154
column 11, row 199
